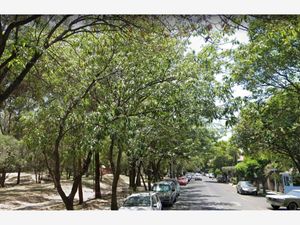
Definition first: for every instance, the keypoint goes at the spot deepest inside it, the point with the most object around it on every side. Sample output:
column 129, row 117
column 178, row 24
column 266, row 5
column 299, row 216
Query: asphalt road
column 210, row 195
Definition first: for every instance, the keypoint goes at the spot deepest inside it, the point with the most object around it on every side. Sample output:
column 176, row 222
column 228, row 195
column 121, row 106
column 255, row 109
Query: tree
column 254, row 170
column 67, row 104
column 224, row 153
column 25, row 39
column 10, row 156
column 270, row 60
column 272, row 127
column 102, row 83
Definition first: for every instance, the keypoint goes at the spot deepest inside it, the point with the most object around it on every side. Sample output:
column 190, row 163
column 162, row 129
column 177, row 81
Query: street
column 210, row 195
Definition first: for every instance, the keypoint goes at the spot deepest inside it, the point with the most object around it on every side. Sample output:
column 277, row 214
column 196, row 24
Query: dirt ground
column 31, row 196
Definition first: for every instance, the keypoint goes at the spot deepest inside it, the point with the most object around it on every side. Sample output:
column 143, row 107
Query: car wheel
column 275, row 207
column 292, row 206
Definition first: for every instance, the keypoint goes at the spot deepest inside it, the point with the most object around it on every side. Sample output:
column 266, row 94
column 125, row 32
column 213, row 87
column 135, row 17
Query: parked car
column 177, row 185
column 291, row 200
column 189, row 177
column 245, row 187
column 221, row 179
column 166, row 192
column 198, row 176
column 211, row 175
column 142, row 201
column 182, row 181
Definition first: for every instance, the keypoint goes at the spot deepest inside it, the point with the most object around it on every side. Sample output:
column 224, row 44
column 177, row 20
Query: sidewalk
column 31, row 196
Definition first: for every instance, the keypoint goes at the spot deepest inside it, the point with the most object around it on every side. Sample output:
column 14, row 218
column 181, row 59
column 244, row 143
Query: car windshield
column 161, row 188
column 137, row 201
column 246, row 184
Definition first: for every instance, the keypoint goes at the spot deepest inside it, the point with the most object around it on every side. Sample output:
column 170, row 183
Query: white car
column 198, row 176
column 142, row 201
column 291, row 200
column 211, row 175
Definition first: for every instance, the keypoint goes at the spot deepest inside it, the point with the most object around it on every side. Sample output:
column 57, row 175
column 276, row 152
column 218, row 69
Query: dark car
column 245, row 187
column 166, row 192
column 221, row 179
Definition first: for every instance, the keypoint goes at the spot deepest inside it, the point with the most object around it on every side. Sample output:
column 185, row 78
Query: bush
column 233, row 180
column 218, row 172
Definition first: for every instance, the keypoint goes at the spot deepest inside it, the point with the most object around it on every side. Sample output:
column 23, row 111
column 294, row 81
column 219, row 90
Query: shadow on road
column 200, row 204
column 191, row 198
column 212, row 181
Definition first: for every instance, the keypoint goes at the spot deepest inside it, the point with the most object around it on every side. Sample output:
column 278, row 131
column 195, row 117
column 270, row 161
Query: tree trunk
column 263, row 180
column 69, row 200
column 138, row 176
column 3, row 177
column 155, row 169
column 114, row 200
column 116, row 168
column 80, row 193
column 257, row 184
column 66, row 199
column 36, row 176
column 132, row 174
column 298, row 166
column 19, row 175
column 157, row 174
column 145, row 186
column 114, row 203
column 97, row 176
column 149, row 182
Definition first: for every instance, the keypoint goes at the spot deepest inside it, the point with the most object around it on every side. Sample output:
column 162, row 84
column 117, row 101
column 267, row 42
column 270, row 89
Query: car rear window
column 161, row 188
column 246, row 184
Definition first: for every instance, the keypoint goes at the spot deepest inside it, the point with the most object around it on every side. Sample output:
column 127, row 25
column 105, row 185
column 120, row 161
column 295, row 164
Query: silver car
column 291, row 200
column 198, row 176
column 166, row 192
column 142, row 201
column 245, row 187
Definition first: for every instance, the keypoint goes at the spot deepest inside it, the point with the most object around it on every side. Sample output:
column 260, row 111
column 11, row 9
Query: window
column 161, row 187
column 137, row 201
